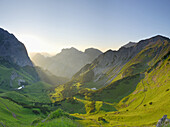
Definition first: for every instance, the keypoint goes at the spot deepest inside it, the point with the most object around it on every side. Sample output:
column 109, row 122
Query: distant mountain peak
column 92, row 50
column 72, row 49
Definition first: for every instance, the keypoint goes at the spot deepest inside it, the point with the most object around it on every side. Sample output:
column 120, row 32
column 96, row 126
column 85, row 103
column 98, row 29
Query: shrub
column 56, row 114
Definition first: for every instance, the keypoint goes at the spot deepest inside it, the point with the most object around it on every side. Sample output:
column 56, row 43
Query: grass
column 37, row 92
column 72, row 105
column 59, row 122
column 138, row 96
column 24, row 116
column 144, row 106
column 57, row 118
column 117, row 90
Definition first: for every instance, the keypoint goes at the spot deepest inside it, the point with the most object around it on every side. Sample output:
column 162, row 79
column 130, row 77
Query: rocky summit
column 12, row 50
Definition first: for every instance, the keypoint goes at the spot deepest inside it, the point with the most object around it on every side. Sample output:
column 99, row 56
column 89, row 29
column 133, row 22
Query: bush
column 36, row 121
column 56, row 114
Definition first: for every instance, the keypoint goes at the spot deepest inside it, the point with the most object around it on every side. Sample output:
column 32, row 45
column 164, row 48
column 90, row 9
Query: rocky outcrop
column 13, row 50
column 163, row 122
column 14, row 76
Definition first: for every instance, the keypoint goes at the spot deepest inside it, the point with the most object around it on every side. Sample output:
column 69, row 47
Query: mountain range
column 127, row 87
column 67, row 62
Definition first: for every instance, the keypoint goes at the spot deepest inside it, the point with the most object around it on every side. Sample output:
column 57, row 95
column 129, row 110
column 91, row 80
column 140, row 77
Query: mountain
column 16, row 68
column 136, row 100
column 32, row 54
column 128, row 87
column 130, row 44
column 108, row 65
column 13, row 50
column 67, row 62
column 14, row 62
column 24, row 89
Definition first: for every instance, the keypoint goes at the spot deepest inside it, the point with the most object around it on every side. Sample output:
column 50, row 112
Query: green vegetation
column 30, row 105
column 138, row 95
column 72, row 105
column 60, row 122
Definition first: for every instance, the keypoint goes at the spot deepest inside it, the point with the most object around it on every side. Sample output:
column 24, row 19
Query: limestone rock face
column 12, row 50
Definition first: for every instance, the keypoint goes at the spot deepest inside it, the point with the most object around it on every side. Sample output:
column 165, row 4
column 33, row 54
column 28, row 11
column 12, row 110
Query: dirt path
column 13, row 114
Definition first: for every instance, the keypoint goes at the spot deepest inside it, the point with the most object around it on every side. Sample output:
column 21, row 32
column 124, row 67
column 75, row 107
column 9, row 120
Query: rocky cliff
column 13, row 50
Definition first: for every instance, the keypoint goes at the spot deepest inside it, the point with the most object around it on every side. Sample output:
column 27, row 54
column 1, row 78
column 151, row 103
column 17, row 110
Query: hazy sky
column 50, row 25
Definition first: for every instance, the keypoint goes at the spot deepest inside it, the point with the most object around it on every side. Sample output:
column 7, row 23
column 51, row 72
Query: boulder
column 164, row 121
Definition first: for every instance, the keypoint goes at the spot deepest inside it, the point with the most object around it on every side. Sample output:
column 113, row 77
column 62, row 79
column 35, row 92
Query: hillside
column 108, row 66
column 127, row 95
column 67, row 62
column 128, row 87
column 25, row 90
column 139, row 105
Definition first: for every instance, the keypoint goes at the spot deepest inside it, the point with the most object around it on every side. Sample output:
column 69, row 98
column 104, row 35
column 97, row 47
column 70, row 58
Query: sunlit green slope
column 144, row 106
column 137, row 96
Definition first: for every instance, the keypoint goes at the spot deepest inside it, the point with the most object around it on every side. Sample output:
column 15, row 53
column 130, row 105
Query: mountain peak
column 156, row 38
column 92, row 50
column 130, row 44
column 13, row 50
column 72, row 49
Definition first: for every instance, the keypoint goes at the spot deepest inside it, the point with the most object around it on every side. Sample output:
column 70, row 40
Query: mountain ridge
column 13, row 50
column 114, row 60
column 67, row 62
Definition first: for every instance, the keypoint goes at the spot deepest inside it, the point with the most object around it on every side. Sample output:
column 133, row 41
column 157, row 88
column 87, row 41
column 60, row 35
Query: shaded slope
column 13, row 50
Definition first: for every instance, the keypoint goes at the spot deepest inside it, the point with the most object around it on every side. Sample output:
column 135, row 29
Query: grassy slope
column 5, row 77
column 132, row 92
column 13, row 115
column 23, row 116
column 144, row 106
column 37, row 92
column 145, row 59
column 15, row 100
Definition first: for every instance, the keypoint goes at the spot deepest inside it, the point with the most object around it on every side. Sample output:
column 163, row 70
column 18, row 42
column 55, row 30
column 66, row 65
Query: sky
column 51, row 25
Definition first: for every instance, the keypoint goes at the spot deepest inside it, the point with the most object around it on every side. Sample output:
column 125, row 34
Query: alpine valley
column 127, row 87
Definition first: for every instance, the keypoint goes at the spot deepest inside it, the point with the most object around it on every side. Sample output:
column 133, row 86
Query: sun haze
column 49, row 26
